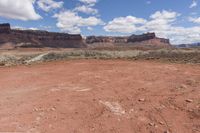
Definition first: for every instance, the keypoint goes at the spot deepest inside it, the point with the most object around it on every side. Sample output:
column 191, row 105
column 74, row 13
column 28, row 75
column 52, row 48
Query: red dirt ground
column 96, row 96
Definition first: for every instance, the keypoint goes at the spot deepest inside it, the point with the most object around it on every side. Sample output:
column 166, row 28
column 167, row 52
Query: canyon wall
column 105, row 39
column 37, row 38
column 148, row 39
column 143, row 37
column 5, row 28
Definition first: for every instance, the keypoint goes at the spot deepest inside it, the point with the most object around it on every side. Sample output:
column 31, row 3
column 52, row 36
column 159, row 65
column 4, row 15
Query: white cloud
column 167, row 15
column 89, row 2
column 194, row 20
column 90, row 28
column 193, row 13
column 124, row 24
column 24, row 28
column 18, row 9
column 163, row 23
column 179, row 35
column 193, row 4
column 48, row 5
column 71, row 22
column 86, row 9
column 130, row 24
column 148, row 2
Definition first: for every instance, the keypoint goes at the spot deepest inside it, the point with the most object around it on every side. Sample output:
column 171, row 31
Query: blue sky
column 178, row 20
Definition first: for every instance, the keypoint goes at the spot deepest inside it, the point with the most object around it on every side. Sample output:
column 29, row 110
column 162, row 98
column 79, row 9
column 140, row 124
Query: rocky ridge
column 147, row 39
column 37, row 38
column 12, row 38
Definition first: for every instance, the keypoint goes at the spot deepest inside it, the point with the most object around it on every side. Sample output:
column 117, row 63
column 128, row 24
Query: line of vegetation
column 176, row 55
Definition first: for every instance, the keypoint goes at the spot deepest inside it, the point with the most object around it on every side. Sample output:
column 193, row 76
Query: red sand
column 96, row 96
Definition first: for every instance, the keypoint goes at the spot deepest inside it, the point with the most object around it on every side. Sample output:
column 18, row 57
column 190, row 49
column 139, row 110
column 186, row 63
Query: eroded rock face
column 5, row 28
column 143, row 37
column 148, row 39
column 105, row 39
column 36, row 38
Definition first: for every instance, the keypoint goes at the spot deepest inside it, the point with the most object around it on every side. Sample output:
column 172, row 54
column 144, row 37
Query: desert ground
column 100, row 96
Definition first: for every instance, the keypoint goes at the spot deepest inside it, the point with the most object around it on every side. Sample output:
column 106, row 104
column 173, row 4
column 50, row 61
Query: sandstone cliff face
column 105, row 39
column 148, row 39
column 5, row 28
column 30, row 38
column 143, row 37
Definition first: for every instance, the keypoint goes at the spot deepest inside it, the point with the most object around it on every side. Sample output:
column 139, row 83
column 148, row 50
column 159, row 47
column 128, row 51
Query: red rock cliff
column 148, row 39
column 36, row 38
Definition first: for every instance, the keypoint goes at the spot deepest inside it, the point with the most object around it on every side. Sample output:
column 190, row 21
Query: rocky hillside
column 35, row 38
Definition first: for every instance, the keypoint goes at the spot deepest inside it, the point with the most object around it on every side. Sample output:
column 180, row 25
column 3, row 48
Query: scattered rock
column 183, row 86
column 191, row 82
column 36, row 109
column 152, row 124
column 189, row 100
column 141, row 100
column 2, row 64
column 166, row 131
column 53, row 108
column 114, row 107
column 131, row 110
column 190, row 110
column 161, row 123
column 84, row 90
column 58, row 100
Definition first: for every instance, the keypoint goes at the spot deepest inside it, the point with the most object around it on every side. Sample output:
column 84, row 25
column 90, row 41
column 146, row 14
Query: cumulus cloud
column 89, row 2
column 194, row 20
column 193, row 4
column 130, row 24
column 24, row 28
column 86, row 9
column 18, row 9
column 181, row 35
column 165, row 15
column 148, row 2
column 163, row 23
column 90, row 28
column 48, row 5
column 71, row 22
column 124, row 24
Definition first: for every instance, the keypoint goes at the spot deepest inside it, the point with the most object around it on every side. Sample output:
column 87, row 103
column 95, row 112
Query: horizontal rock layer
column 148, row 39
column 37, row 38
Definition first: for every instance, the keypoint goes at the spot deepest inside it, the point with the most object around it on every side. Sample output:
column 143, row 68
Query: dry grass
column 175, row 55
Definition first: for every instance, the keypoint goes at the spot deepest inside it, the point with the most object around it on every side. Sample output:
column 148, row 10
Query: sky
column 178, row 20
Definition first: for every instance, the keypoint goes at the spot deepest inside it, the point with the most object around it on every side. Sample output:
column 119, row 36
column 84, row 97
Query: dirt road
column 96, row 96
